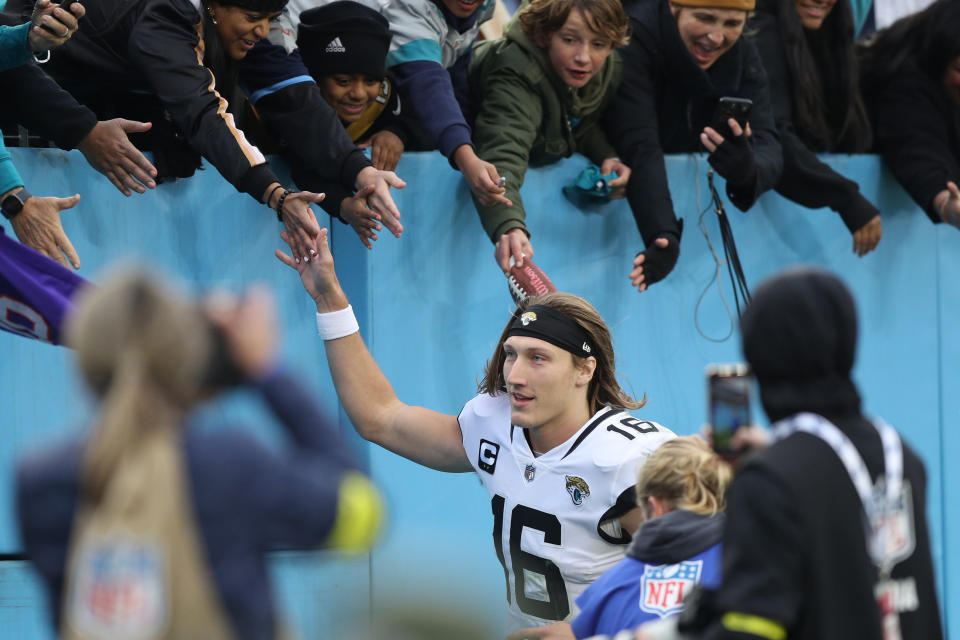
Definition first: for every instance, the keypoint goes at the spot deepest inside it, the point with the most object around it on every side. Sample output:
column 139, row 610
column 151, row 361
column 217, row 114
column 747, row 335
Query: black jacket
column 795, row 549
column 916, row 130
column 665, row 101
column 155, row 46
column 35, row 101
column 805, row 179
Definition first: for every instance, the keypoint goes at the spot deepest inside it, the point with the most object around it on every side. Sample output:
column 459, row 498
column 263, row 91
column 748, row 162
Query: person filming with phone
column 690, row 83
column 826, row 533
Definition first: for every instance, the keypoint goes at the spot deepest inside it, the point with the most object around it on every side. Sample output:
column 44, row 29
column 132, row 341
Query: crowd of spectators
column 620, row 83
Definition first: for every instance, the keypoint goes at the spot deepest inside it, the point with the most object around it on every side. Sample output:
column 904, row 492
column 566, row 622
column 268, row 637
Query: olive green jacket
column 527, row 115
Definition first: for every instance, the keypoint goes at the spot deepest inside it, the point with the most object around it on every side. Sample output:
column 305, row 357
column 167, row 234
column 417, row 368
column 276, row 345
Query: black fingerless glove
column 658, row 262
column 734, row 160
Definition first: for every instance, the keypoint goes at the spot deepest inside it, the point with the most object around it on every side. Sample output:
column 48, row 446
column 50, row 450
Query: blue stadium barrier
column 432, row 305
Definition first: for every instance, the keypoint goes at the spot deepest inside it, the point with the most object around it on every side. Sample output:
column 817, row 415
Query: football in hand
column 528, row 280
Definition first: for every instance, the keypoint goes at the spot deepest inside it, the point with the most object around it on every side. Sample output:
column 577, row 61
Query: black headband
column 549, row 325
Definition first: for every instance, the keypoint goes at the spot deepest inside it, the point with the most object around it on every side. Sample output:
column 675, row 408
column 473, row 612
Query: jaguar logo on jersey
column 527, row 318
column 578, row 489
column 487, row 460
column 529, row 472
column 665, row 586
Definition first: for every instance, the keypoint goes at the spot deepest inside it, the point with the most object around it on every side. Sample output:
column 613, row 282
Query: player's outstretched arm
column 428, row 437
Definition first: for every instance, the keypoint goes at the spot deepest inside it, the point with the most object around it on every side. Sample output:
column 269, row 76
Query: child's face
column 462, row 8
column 349, row 95
column 576, row 51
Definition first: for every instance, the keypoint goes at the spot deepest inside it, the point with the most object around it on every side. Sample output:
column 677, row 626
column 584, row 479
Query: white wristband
column 337, row 324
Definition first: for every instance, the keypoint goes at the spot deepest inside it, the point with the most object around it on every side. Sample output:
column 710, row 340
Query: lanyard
column 877, row 503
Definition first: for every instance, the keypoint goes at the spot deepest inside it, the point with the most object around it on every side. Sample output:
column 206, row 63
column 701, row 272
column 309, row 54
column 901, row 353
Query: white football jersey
column 548, row 510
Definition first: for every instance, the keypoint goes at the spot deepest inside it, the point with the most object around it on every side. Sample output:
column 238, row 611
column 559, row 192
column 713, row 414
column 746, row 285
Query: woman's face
column 708, row 33
column 239, row 29
column 813, row 12
column 350, row 95
column 951, row 80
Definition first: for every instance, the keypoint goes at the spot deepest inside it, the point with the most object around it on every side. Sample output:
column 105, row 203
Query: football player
column 548, row 435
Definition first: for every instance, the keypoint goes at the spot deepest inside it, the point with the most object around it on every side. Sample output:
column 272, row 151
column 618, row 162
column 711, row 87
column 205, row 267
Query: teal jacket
column 13, row 53
column 528, row 116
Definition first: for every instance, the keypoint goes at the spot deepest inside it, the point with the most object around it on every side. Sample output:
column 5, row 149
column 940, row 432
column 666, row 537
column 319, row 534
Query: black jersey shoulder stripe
column 593, row 425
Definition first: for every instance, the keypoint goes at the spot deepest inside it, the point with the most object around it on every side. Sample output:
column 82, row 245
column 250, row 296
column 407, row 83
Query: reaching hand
column 380, row 199
column 482, row 177
column 555, row 631
column 362, row 219
column 52, row 25
column 732, row 157
column 515, row 244
column 867, row 237
column 38, row 226
column 386, row 149
column 318, row 276
column 109, row 151
column 947, row 204
column 619, row 185
column 301, row 223
column 653, row 264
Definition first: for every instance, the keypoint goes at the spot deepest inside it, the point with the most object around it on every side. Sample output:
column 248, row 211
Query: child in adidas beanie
column 344, row 37
column 344, row 45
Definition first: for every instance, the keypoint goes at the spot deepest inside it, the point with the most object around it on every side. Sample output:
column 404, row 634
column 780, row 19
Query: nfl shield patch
column 893, row 538
column 665, row 586
column 119, row 590
column 529, row 472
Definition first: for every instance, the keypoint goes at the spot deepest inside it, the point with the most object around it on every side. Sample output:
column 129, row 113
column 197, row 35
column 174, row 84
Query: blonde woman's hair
column 685, row 474
column 604, row 389
column 143, row 350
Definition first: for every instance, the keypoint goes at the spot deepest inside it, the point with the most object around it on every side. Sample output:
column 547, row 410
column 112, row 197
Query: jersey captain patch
column 487, row 459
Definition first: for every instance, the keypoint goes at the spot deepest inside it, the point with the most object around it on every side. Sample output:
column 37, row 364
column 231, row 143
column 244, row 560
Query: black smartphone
column 736, row 108
column 728, row 402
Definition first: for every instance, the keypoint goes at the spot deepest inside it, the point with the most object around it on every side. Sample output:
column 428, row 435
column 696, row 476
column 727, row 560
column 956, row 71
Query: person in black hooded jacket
column 808, row 52
column 683, row 56
column 796, row 563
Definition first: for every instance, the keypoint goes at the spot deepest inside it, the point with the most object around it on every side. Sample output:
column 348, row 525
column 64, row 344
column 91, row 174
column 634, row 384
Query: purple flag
column 35, row 291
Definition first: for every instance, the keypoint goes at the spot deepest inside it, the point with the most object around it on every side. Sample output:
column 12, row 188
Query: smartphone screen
column 728, row 390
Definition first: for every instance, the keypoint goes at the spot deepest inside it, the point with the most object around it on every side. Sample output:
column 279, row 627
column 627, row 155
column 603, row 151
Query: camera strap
column 887, row 505
column 738, row 280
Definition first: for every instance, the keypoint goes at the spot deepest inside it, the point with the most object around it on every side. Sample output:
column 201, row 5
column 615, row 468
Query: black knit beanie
column 344, row 37
column 799, row 337
column 260, row 6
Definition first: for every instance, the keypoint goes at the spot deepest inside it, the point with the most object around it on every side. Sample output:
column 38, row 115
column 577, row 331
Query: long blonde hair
column 143, row 349
column 604, row 389
column 685, row 474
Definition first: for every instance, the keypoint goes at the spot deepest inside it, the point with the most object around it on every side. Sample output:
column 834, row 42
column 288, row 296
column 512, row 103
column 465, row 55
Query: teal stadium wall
column 431, row 306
